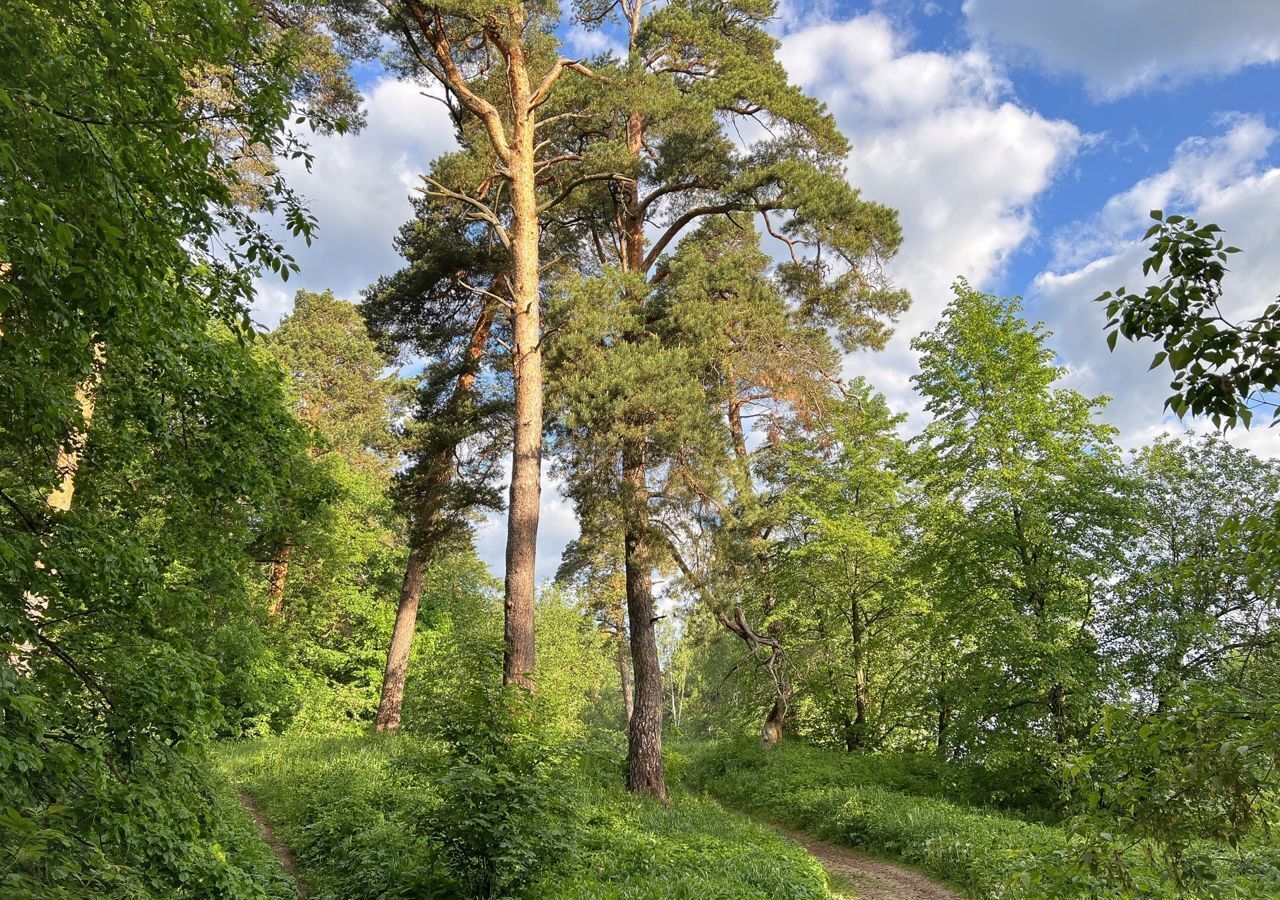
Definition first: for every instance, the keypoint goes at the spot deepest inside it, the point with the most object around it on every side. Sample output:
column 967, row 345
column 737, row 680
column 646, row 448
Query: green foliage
column 1221, row 369
column 1194, row 599
column 125, row 376
column 1026, row 509
column 121, row 686
column 1181, row 802
column 980, row 851
column 171, row 831
column 389, row 817
column 838, row 569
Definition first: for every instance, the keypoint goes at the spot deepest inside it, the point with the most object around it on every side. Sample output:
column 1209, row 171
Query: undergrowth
column 894, row 806
column 395, row 817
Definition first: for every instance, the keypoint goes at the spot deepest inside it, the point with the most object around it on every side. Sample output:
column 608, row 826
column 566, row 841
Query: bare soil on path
column 280, row 850
column 872, row 878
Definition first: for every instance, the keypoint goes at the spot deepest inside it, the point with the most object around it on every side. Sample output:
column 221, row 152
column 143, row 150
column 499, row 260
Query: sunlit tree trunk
column 392, row 700
column 526, row 457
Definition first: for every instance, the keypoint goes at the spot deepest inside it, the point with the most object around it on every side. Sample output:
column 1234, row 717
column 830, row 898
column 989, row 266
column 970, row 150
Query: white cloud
column 939, row 137
column 358, row 189
column 1120, row 46
column 557, row 526
column 583, row 42
column 1223, row 179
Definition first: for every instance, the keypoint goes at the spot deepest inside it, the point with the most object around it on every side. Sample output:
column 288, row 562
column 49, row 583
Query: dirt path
column 873, row 879
column 280, row 850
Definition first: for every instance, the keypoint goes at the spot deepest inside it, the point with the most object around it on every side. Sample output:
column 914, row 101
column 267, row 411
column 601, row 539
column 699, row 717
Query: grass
column 237, row 839
column 981, row 851
column 395, row 817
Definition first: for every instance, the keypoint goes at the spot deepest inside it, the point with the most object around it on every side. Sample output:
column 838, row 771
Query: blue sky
column 1022, row 143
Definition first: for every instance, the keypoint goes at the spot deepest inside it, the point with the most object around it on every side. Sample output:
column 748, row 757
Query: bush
column 168, row 830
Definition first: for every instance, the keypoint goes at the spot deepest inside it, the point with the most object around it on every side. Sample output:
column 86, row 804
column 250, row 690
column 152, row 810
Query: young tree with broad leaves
column 840, row 567
column 1028, row 507
column 341, row 395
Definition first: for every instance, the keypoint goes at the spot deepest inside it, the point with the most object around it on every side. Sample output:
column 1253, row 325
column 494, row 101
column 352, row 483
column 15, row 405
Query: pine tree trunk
column 392, row 700
column 624, row 662
column 526, row 456
column 644, row 733
column 438, row 477
column 278, row 578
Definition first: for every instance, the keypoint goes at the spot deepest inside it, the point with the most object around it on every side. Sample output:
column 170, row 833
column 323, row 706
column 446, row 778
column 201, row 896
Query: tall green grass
column 845, row 799
column 396, row 817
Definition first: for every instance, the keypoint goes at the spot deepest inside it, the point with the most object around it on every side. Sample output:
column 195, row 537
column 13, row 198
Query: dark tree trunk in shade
column 1058, row 710
column 944, row 716
column 624, row 660
column 278, row 578
column 401, row 643
column 644, row 732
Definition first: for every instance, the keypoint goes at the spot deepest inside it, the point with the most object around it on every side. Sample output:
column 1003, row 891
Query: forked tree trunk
column 644, row 733
column 392, row 699
column 526, row 457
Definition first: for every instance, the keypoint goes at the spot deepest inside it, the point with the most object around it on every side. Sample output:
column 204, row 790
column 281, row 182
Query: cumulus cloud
column 1225, row 179
column 1121, row 47
column 940, row 137
column 358, row 188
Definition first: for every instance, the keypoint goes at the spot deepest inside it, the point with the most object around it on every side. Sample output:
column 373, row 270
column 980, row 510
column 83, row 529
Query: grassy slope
column 364, row 818
column 875, row 807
